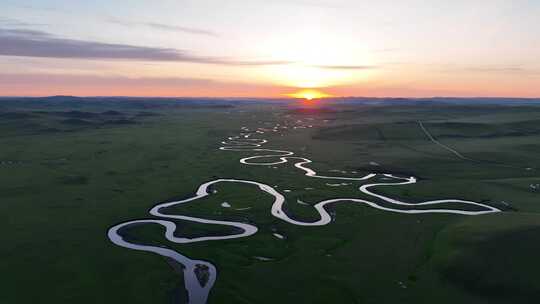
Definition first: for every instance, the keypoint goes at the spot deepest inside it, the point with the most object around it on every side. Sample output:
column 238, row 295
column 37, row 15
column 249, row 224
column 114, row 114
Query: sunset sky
column 261, row 48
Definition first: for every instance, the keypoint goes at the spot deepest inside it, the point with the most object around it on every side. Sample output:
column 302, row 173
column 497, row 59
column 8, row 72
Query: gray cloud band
column 32, row 43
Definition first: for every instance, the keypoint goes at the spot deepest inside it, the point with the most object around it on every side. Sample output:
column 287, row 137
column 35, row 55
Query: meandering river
column 200, row 276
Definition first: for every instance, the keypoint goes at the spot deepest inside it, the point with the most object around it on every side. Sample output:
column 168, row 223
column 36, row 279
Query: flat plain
column 71, row 168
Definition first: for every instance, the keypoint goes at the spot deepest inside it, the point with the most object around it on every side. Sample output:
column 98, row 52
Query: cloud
column 493, row 69
column 47, row 84
column 347, row 67
column 33, row 43
column 504, row 69
column 92, row 80
column 166, row 27
column 15, row 22
column 175, row 28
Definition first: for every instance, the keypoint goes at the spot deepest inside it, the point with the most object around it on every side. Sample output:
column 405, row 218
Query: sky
column 261, row 48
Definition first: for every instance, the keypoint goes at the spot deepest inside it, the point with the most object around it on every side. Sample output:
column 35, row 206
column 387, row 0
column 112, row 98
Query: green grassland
column 70, row 169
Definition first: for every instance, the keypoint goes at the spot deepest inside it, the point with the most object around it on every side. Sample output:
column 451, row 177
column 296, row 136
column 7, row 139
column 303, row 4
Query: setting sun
column 309, row 94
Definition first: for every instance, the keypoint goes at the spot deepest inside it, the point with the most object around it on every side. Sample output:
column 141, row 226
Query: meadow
column 71, row 168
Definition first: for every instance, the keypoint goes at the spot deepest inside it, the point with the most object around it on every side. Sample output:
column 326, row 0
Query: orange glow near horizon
column 309, row 94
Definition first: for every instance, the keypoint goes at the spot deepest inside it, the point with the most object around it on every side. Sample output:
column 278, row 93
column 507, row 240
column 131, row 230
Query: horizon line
column 266, row 98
